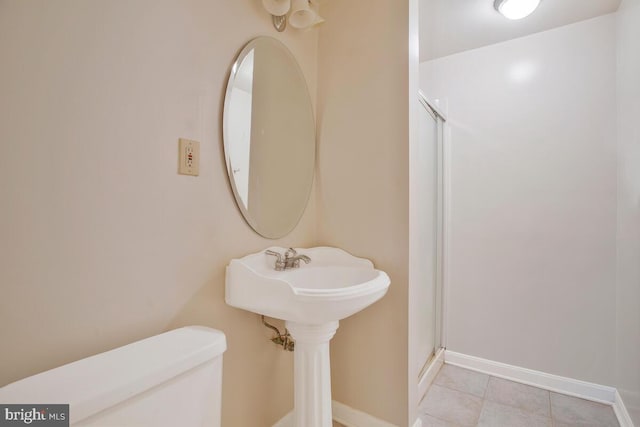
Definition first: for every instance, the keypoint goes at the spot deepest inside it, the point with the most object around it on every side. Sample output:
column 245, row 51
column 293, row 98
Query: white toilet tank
column 171, row 379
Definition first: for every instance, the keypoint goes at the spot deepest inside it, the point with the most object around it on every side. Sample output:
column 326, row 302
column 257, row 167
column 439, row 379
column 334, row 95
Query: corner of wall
column 363, row 189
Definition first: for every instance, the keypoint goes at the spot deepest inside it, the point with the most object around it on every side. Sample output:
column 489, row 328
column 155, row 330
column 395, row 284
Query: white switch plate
column 189, row 157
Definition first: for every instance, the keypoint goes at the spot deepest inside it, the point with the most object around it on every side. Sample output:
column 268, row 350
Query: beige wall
column 628, row 269
column 363, row 190
column 103, row 243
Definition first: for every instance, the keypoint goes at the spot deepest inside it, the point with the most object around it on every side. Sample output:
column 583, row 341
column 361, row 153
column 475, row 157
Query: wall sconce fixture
column 301, row 14
column 516, row 9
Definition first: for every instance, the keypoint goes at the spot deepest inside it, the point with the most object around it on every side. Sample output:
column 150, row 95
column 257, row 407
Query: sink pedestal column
column 312, row 373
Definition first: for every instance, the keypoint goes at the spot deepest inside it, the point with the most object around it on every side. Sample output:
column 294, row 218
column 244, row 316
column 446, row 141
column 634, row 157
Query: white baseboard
column 345, row 415
column 621, row 412
column 430, row 374
column 569, row 386
column 286, row 421
column 353, row 418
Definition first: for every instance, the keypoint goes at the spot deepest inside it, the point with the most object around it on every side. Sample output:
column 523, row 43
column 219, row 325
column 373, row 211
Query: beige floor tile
column 429, row 421
column 498, row 415
column 462, row 380
column 524, row 397
column 573, row 411
column 577, row 424
column 451, row 405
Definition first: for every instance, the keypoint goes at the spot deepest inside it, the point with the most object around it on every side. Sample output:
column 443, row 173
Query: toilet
column 171, row 379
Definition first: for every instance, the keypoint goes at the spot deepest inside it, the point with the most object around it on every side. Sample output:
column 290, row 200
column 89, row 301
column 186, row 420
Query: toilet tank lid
column 98, row 382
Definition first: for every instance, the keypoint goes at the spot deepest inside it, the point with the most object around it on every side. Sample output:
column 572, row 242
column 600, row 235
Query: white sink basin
column 311, row 299
column 334, row 285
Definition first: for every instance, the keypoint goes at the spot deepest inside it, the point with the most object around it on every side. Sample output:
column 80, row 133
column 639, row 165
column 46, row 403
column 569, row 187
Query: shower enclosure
column 430, row 194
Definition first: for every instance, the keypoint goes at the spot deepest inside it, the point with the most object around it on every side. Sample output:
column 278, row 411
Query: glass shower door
column 430, row 232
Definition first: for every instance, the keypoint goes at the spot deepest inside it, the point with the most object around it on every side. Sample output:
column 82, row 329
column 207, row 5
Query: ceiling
column 451, row 26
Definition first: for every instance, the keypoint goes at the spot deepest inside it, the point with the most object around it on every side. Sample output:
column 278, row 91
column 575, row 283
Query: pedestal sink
column 311, row 300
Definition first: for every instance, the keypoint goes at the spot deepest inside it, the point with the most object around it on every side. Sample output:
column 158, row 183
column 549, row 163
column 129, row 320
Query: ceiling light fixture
column 301, row 14
column 516, row 9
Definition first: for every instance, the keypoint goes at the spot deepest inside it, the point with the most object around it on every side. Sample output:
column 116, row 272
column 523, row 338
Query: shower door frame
column 442, row 198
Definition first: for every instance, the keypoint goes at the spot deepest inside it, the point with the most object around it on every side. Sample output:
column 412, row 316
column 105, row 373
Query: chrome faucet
column 290, row 260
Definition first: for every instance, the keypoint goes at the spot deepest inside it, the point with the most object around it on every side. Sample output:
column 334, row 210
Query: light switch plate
column 188, row 157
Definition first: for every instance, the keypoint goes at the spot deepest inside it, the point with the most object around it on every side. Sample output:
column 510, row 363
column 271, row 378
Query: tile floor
column 463, row 398
column 337, row 424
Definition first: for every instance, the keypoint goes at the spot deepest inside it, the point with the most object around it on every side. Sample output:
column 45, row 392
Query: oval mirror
column 269, row 137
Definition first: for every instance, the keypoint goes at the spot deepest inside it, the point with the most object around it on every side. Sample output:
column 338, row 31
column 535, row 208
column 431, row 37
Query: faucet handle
column 290, row 253
column 279, row 266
